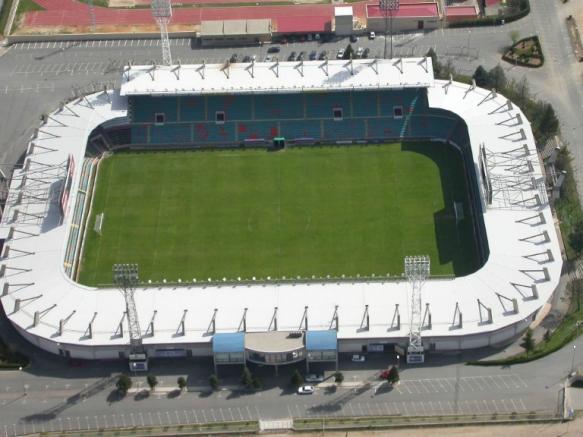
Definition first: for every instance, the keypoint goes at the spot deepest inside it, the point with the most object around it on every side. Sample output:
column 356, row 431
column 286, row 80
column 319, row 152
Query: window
column 337, row 114
column 398, row 111
column 220, row 117
column 160, row 118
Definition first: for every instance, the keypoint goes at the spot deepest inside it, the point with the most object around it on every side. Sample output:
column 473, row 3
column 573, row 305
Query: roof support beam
column 243, row 323
column 396, row 322
column 273, row 323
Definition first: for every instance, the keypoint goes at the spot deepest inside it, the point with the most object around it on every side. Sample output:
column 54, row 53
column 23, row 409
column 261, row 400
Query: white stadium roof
column 524, row 262
column 271, row 77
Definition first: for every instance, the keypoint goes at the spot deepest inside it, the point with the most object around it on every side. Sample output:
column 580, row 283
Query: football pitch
column 298, row 212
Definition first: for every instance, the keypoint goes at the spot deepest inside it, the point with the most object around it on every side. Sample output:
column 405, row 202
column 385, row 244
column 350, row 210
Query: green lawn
column 297, row 212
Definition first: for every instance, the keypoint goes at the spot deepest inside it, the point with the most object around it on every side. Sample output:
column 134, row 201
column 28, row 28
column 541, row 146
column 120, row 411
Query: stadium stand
column 278, row 106
column 171, row 133
column 301, row 129
column 234, row 107
column 321, row 105
column 257, row 130
column 74, row 242
column 144, row 108
column 192, row 108
column 349, row 129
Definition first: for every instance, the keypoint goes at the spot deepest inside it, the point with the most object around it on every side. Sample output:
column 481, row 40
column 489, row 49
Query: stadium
column 262, row 212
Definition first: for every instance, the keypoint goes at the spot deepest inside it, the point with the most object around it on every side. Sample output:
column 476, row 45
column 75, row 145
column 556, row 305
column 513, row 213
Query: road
column 35, row 77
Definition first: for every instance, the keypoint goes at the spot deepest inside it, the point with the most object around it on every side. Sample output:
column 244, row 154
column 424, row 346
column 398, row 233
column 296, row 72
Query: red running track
column 74, row 13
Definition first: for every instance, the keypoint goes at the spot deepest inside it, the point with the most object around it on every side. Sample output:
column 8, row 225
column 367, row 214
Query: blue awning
column 321, row 340
column 229, row 342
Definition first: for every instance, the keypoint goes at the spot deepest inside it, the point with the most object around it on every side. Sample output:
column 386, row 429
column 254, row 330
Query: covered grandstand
column 243, row 104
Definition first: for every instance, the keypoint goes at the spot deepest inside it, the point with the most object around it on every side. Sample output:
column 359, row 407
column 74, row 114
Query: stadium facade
column 248, row 105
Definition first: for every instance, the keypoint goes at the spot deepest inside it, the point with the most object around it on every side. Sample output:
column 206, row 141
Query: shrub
column 214, row 381
column 338, row 377
column 123, row 384
column 181, row 381
column 297, row 379
column 152, row 381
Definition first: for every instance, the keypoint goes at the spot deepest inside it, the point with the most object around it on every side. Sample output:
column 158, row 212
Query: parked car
column 359, row 52
column 353, row 38
column 365, row 53
column 233, row 58
column 292, row 56
column 312, row 377
column 273, row 49
column 372, row 35
column 306, row 390
column 247, row 58
column 358, row 358
column 313, row 55
column 340, row 54
column 323, row 55
column 268, row 59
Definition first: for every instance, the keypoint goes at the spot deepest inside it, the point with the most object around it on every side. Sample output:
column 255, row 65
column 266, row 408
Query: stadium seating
column 344, row 129
column 192, row 108
column 364, row 104
column 139, row 134
column 77, row 221
column 234, row 107
column 144, row 108
column 293, row 116
column 257, row 130
column 279, row 106
column 170, row 134
column 459, row 134
column 211, row 133
column 321, row 105
column 387, row 127
column 301, row 129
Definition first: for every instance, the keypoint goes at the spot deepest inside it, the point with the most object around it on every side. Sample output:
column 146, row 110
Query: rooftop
column 270, row 77
column 273, row 341
column 345, row 11
column 419, row 10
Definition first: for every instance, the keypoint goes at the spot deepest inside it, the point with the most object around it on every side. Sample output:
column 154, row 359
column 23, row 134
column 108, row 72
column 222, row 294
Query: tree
column 393, row 375
column 349, row 52
column 481, row 77
column 528, row 342
column 123, row 384
column 297, row 379
column 246, row 378
column 497, row 78
column 436, row 65
column 338, row 377
column 514, row 36
column 214, row 381
column 256, row 382
column 576, row 237
column 548, row 124
column 181, row 381
column 152, row 382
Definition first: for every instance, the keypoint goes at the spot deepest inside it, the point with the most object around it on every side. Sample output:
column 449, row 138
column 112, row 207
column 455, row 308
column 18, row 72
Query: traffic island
column 525, row 53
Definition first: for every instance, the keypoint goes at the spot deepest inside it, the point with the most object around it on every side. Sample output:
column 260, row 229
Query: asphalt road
column 34, row 77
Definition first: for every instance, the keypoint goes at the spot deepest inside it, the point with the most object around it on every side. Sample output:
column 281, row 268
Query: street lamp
column 469, row 39
column 22, row 380
column 398, row 360
column 389, row 7
column 573, row 360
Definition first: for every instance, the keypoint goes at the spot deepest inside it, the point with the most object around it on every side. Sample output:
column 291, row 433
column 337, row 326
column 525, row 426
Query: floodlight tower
column 162, row 12
column 125, row 277
column 91, row 14
column 389, row 7
column 417, row 269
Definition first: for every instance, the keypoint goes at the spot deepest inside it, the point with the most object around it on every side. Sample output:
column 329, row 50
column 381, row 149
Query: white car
column 359, row 52
column 372, row 35
column 340, row 54
column 358, row 358
column 306, row 390
column 312, row 377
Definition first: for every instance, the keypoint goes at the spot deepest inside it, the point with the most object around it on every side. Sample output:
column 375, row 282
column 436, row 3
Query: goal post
column 98, row 223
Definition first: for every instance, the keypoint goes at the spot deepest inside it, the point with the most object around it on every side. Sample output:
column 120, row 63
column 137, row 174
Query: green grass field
column 297, row 212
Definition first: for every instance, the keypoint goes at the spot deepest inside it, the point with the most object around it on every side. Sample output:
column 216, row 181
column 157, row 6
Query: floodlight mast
column 389, row 7
column 417, row 269
column 162, row 12
column 125, row 277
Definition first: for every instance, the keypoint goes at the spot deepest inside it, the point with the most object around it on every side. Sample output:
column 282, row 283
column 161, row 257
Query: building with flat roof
column 234, row 32
column 408, row 17
column 343, row 19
